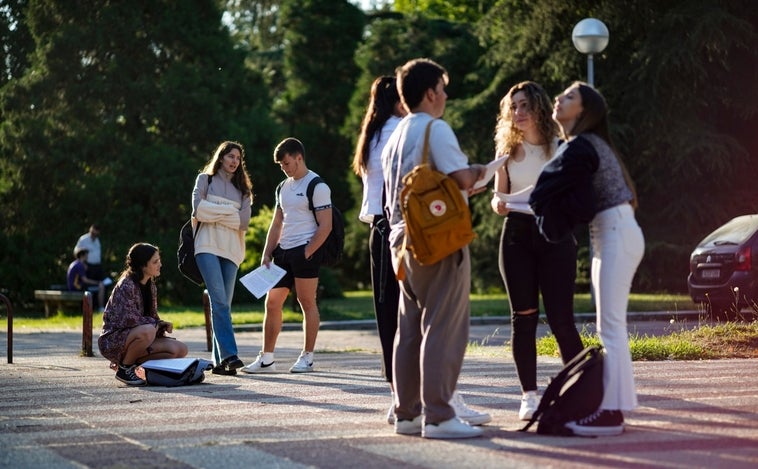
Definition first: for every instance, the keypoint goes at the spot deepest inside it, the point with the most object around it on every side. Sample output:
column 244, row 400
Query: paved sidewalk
column 59, row 410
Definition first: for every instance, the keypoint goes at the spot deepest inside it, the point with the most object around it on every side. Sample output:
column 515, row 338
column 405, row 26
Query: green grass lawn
column 354, row 306
column 728, row 340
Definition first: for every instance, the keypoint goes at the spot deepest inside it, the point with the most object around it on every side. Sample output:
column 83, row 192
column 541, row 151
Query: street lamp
column 590, row 36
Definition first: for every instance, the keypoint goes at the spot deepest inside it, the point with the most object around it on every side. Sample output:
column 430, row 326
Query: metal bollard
column 87, row 324
column 9, row 307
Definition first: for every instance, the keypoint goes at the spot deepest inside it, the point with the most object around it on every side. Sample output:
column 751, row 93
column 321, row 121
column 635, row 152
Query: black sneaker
column 228, row 366
column 223, row 370
column 601, row 423
column 233, row 363
column 126, row 375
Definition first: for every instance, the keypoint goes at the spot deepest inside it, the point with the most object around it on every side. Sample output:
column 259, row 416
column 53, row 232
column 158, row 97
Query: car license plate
column 710, row 273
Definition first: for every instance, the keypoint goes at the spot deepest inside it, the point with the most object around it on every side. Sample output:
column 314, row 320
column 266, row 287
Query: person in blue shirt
column 77, row 280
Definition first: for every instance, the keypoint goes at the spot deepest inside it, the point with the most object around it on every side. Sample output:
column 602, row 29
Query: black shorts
column 297, row 266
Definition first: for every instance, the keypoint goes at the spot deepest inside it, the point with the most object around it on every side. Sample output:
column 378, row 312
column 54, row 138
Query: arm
column 200, row 191
column 465, row 178
column 273, row 235
column 446, row 156
column 501, row 185
column 226, row 215
column 563, row 195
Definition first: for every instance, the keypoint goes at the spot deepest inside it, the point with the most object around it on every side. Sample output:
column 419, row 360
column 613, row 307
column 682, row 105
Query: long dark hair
column 594, row 119
column 136, row 260
column 240, row 178
column 380, row 108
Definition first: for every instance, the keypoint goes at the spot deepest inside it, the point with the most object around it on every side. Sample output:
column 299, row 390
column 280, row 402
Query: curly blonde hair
column 507, row 136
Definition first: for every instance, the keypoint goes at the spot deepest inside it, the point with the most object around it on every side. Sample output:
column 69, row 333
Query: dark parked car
column 724, row 268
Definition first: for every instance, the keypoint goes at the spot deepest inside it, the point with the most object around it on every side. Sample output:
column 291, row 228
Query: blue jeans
column 220, row 275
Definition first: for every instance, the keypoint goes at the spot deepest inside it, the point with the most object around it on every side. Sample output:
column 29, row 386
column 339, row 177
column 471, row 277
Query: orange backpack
column 437, row 217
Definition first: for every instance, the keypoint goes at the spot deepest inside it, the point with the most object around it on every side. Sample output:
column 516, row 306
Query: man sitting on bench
column 78, row 281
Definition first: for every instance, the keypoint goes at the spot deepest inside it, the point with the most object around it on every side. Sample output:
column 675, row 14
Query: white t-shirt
column 299, row 224
column 373, row 179
column 92, row 245
column 524, row 173
column 405, row 146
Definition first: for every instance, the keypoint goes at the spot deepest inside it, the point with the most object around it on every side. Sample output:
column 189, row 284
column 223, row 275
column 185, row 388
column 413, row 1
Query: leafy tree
column 254, row 27
column 16, row 40
column 391, row 40
column 121, row 106
column 463, row 11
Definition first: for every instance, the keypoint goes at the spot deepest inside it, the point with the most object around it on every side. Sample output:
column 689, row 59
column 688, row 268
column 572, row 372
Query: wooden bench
column 55, row 299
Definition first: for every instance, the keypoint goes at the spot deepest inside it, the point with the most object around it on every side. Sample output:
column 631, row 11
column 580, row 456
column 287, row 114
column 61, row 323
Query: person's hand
column 266, row 260
column 164, row 327
column 498, row 206
column 481, row 171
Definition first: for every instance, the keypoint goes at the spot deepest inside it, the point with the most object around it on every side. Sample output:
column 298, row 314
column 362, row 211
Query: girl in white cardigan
column 221, row 202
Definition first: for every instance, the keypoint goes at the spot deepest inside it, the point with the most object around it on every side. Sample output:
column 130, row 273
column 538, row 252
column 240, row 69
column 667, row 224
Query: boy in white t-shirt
column 292, row 243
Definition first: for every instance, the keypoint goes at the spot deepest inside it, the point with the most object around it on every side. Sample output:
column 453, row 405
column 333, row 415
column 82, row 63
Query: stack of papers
column 176, row 365
column 262, row 279
column 518, row 201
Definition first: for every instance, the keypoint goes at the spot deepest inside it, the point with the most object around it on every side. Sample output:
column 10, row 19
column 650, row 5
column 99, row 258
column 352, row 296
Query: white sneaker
column 449, row 429
column 259, row 367
column 409, row 427
column 529, row 403
column 302, row 365
column 467, row 414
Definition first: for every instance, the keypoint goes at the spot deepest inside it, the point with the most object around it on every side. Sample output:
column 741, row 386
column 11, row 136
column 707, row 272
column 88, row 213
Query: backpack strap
column 309, row 194
column 278, row 192
column 197, row 225
column 424, row 159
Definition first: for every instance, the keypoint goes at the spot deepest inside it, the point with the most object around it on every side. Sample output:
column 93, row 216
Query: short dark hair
column 415, row 77
column 288, row 146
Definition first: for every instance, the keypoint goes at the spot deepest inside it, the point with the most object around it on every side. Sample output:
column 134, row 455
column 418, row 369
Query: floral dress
column 124, row 312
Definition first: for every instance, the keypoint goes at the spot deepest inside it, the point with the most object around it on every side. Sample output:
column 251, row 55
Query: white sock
column 308, row 356
column 267, row 357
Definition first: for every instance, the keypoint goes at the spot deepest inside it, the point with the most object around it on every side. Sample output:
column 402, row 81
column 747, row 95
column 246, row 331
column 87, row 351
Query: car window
column 736, row 231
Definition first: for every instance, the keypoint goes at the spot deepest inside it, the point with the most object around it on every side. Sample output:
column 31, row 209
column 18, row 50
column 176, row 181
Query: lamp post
column 590, row 36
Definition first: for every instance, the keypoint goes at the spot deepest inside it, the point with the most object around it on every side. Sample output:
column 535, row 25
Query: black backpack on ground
column 193, row 374
column 574, row 393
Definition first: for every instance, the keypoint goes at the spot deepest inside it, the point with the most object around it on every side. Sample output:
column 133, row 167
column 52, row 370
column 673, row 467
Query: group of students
column 221, row 199
column 422, row 320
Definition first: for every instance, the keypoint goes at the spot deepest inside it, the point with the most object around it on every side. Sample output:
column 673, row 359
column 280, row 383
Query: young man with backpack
column 433, row 317
column 292, row 243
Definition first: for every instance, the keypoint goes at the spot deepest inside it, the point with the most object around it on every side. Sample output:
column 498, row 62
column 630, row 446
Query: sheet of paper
column 492, row 166
column 262, row 279
column 177, row 365
column 518, row 201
